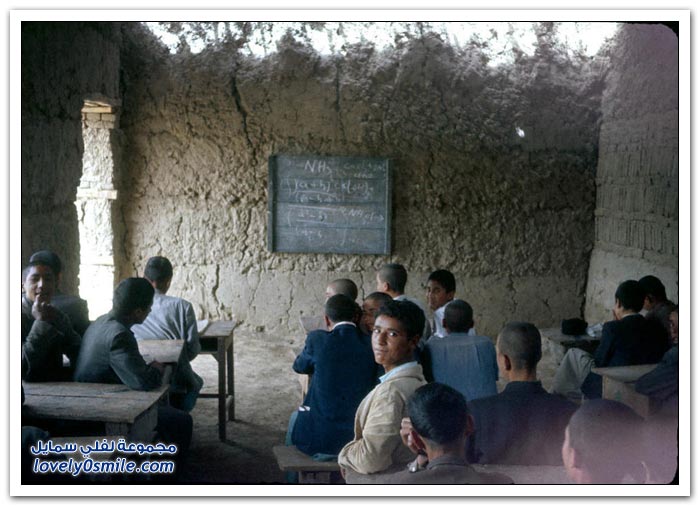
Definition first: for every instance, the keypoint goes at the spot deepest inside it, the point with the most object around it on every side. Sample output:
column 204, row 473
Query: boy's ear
column 328, row 322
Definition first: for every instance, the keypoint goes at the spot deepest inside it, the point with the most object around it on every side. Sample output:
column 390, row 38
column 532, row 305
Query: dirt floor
column 265, row 397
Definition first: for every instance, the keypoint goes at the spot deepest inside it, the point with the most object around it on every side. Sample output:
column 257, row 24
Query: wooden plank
column 529, row 475
column 166, row 351
column 624, row 374
column 290, row 458
column 219, row 328
column 90, row 409
column 75, row 389
column 202, row 325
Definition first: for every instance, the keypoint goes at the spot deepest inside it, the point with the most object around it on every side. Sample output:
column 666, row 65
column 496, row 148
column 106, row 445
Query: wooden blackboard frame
column 335, row 167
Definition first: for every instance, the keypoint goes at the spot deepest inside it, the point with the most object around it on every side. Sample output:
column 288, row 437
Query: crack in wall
column 242, row 111
column 337, row 101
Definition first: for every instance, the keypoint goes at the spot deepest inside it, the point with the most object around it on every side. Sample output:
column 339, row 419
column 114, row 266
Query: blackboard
column 329, row 204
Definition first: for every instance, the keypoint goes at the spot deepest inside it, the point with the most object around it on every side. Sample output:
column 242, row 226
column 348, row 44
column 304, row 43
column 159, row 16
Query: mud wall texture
column 62, row 63
column 511, row 216
column 636, row 224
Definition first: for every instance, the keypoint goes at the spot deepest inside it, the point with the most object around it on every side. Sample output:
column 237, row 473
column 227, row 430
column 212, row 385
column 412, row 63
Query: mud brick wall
column 62, row 63
column 511, row 216
column 636, row 216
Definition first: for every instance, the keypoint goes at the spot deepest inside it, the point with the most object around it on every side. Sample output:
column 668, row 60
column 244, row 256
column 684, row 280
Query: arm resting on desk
column 129, row 365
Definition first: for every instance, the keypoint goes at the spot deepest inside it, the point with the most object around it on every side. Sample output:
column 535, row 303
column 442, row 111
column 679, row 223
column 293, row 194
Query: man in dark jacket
column 344, row 372
column 524, row 424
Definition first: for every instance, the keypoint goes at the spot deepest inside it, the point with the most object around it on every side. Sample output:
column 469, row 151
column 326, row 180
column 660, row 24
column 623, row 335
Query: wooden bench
column 291, row 459
column 618, row 385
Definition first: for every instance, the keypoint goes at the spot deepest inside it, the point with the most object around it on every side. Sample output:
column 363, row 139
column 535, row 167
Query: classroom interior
column 540, row 175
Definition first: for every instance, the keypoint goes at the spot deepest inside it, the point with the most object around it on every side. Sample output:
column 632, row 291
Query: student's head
column 441, row 288
column 159, row 271
column 340, row 308
column 602, row 443
column 518, row 349
column 440, row 417
column 370, row 306
column 391, row 279
column 459, row 317
column 39, row 282
column 47, row 257
column 345, row 287
column 673, row 324
column 654, row 291
column 396, row 332
column 132, row 300
column 629, row 296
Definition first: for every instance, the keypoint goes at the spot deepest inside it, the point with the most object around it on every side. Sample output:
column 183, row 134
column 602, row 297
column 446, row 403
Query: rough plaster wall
column 637, row 177
column 511, row 217
column 61, row 63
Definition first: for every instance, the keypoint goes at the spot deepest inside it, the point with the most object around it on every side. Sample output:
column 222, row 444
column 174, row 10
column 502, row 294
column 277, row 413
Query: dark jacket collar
column 524, row 387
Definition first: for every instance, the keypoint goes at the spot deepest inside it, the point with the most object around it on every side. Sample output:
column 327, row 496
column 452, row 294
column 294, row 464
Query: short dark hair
column 158, row 269
column 381, row 297
column 522, row 342
column 131, row 294
column 340, row 308
column 438, row 413
column 459, row 316
column 651, row 285
column 48, row 258
column 395, row 276
column 407, row 313
column 631, row 295
column 345, row 287
column 605, row 434
column 445, row 278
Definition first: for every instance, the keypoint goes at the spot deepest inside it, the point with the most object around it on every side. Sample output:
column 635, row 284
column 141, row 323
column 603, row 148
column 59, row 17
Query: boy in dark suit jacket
column 342, row 362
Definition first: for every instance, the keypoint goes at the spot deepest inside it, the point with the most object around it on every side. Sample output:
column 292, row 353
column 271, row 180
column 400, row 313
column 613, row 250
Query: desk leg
column 221, row 359
column 229, row 376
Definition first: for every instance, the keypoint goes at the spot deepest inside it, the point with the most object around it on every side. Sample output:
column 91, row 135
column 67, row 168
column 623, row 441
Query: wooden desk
column 309, row 323
column 166, row 351
column 217, row 340
column 122, row 410
column 618, row 385
column 556, row 344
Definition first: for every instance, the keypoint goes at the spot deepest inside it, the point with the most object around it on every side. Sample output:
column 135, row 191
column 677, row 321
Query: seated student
column 523, row 425
column 172, row 318
column 657, row 307
column 602, row 444
column 440, row 424
column 47, row 333
column 74, row 307
column 629, row 339
column 344, row 370
column 343, row 286
column 391, row 279
column 661, row 385
column 370, row 306
column 440, row 291
column 462, row 361
column 377, row 443
column 109, row 354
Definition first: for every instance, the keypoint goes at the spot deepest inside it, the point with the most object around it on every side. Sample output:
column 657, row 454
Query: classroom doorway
column 95, row 202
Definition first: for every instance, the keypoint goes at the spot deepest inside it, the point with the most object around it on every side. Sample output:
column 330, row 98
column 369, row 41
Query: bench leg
column 229, row 378
column 221, row 359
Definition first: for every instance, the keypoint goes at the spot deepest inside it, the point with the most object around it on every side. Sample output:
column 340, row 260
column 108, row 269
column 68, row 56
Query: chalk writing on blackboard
column 321, row 204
